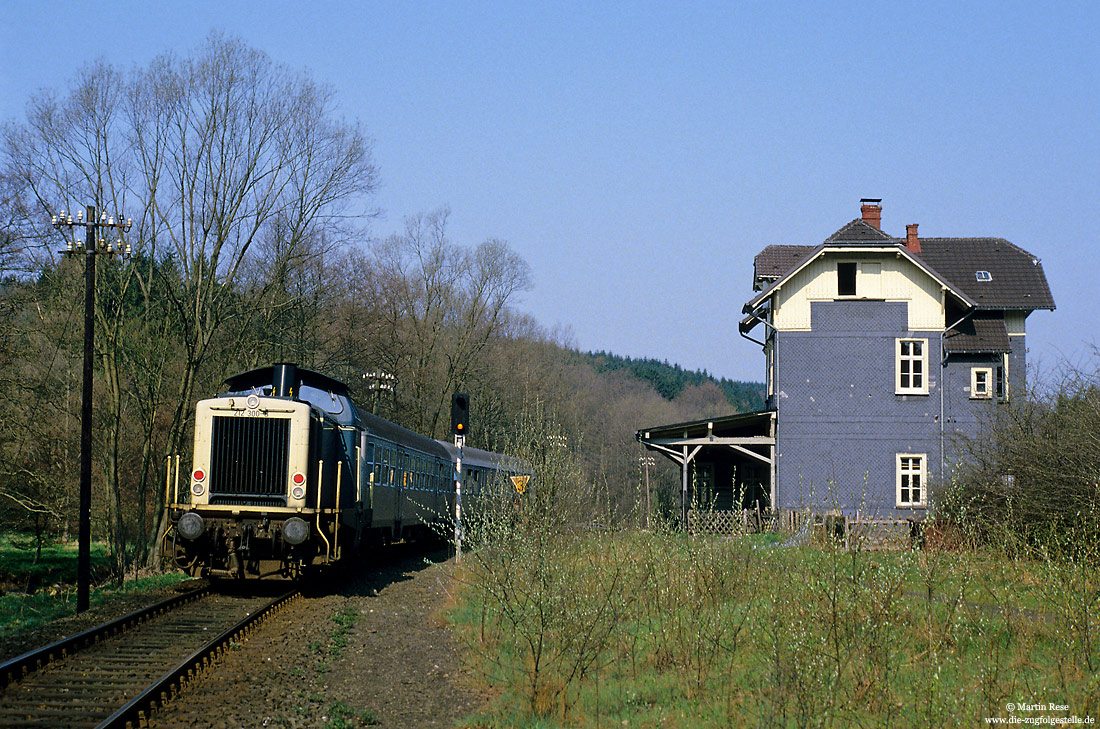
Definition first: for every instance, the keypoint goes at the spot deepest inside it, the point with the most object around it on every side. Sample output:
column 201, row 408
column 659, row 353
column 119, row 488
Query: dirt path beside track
column 393, row 663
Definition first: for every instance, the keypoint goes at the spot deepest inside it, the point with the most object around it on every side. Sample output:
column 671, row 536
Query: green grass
column 20, row 612
column 342, row 716
column 57, row 564
column 42, row 590
column 662, row 630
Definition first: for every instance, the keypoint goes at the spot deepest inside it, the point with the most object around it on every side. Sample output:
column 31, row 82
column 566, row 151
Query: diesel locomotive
column 288, row 475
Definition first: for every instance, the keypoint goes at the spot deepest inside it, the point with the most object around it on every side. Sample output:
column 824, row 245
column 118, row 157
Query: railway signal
column 460, row 413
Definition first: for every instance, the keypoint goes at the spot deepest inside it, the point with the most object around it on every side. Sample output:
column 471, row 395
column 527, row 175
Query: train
column 288, row 476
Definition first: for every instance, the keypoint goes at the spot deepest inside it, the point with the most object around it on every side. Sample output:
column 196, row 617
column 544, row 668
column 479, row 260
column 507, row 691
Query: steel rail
column 137, row 711
column 21, row 666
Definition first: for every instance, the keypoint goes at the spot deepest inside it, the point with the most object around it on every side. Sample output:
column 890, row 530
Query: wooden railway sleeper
column 124, row 716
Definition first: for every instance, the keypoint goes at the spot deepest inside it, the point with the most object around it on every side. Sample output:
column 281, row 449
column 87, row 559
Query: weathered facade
column 881, row 354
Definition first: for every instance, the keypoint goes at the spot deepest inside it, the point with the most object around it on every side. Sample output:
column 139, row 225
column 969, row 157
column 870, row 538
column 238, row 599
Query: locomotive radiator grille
column 248, row 461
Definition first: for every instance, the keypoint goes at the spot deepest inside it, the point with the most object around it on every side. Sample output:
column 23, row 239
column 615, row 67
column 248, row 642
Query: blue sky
column 638, row 155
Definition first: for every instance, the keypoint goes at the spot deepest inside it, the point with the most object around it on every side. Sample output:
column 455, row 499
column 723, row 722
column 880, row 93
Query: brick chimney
column 872, row 211
column 912, row 242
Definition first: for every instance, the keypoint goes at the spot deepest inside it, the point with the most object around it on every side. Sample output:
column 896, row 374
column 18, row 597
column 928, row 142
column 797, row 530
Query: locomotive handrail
column 320, row 480
column 336, row 521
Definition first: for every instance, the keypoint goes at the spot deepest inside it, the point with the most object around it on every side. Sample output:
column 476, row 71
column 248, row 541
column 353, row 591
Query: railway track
column 116, row 674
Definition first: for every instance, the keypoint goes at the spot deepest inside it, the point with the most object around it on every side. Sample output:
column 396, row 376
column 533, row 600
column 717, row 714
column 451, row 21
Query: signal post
column 460, row 418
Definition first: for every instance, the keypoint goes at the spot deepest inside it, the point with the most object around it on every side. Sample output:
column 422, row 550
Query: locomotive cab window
column 336, row 405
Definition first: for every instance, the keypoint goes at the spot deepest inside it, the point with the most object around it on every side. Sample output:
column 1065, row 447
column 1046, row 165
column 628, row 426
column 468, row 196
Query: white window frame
column 903, row 365
column 983, row 393
column 905, row 470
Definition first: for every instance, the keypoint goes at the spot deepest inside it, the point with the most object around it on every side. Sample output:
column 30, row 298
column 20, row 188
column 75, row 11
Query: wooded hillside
column 251, row 204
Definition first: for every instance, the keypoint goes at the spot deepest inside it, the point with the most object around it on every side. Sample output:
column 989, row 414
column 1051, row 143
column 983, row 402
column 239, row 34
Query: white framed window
column 912, row 480
column 981, row 383
column 911, row 367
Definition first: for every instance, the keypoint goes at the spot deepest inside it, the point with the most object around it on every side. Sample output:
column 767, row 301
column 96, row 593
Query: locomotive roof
column 262, row 377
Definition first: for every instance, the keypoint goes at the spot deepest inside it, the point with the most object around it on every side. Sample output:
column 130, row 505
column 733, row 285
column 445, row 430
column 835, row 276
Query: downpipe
column 943, row 379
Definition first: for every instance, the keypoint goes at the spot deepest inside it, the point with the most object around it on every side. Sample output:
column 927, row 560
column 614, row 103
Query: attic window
column 846, row 278
column 983, row 276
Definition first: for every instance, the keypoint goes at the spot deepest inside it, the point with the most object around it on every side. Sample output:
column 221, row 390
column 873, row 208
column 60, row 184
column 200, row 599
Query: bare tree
column 213, row 155
column 440, row 305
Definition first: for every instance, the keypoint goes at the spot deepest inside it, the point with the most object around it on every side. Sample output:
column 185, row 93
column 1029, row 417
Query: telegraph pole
column 93, row 245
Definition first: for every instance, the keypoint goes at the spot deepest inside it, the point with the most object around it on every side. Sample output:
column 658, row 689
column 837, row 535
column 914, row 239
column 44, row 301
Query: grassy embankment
column 38, row 589
column 663, row 630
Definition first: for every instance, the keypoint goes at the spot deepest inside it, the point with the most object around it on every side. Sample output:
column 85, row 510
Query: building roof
column 977, row 335
column 737, row 424
column 860, row 231
column 1013, row 279
column 776, row 260
column 1016, row 279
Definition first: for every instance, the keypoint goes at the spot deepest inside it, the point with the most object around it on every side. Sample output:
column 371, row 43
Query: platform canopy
column 738, row 449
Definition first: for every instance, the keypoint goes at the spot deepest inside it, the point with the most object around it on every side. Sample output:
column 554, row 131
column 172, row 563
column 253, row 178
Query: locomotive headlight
column 190, row 525
column 252, row 402
column 198, row 489
column 295, row 530
column 297, row 492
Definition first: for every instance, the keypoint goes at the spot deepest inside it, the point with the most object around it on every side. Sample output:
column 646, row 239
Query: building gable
column 886, row 273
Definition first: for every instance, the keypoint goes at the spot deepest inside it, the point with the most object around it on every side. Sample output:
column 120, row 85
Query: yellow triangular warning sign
column 520, row 482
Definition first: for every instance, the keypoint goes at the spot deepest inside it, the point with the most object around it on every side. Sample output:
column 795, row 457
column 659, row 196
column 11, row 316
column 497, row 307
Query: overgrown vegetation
column 1033, row 475
column 662, row 629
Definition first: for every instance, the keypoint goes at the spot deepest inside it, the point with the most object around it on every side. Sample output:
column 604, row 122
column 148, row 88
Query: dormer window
column 983, row 276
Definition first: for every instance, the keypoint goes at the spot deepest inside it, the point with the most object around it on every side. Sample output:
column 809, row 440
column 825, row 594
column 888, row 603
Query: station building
column 881, row 354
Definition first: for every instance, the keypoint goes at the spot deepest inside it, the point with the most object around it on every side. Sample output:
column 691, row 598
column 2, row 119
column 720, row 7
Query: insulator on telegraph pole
column 90, row 249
